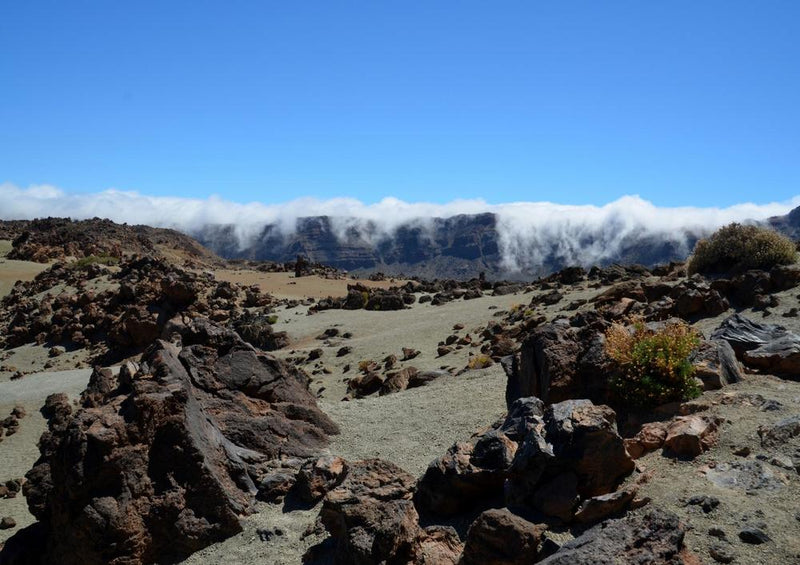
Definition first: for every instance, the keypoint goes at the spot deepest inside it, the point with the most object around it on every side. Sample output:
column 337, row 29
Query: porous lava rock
column 158, row 464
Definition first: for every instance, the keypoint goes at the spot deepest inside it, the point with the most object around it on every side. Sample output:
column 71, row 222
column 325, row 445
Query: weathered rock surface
column 689, row 436
column 744, row 334
column 159, row 464
column 499, row 537
column 548, row 461
column 715, row 364
column 778, row 357
column 371, row 516
column 655, row 537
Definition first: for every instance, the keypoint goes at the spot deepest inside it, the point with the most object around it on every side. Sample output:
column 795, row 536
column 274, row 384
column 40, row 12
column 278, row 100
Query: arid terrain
column 251, row 415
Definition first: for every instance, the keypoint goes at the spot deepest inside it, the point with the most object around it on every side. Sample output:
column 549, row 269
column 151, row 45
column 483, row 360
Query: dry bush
column 737, row 247
column 480, row 361
column 653, row 366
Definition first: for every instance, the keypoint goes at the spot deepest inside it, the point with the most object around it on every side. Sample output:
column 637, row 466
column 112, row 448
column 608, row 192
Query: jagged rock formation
column 162, row 461
column 141, row 296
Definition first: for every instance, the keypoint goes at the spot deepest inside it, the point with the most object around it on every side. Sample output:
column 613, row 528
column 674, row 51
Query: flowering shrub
column 653, row 366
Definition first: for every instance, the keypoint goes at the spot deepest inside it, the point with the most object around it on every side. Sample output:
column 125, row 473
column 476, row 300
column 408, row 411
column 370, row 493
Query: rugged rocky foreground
column 199, row 433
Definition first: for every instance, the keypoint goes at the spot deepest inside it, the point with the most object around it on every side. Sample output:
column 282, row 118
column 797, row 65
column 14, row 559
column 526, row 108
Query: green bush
column 652, row 366
column 102, row 259
column 737, row 247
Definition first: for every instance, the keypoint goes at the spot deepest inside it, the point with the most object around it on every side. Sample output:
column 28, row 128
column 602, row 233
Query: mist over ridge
column 462, row 236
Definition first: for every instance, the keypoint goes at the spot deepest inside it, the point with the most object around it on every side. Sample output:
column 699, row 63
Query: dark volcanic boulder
column 549, row 462
column 557, row 362
column 547, row 364
column 370, row 515
column 159, row 464
column 744, row 334
column 715, row 364
column 767, row 347
column 654, row 538
column 778, row 357
column 499, row 537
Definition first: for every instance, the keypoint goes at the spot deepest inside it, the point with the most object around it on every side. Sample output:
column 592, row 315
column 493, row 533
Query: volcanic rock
column 153, row 470
column 653, row 537
column 689, row 436
column 370, row 515
column 499, row 537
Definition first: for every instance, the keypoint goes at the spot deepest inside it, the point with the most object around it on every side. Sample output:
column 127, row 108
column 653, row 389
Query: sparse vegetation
column 102, row 259
column 257, row 331
column 653, row 366
column 480, row 361
column 738, row 247
column 367, row 365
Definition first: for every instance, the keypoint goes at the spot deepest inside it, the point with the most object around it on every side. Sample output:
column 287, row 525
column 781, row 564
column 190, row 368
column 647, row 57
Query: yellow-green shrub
column 652, row 366
column 480, row 361
column 738, row 247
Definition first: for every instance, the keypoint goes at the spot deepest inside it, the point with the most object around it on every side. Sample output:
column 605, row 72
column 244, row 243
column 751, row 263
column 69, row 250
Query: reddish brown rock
column 689, row 436
column 499, row 537
column 439, row 545
column 317, row 477
column 397, row 381
column 165, row 465
column 649, row 438
column 370, row 515
column 598, row 508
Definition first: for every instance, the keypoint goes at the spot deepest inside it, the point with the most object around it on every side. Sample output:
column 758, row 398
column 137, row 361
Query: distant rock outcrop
column 459, row 247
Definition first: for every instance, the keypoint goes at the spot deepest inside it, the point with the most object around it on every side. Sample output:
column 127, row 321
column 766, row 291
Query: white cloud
column 528, row 231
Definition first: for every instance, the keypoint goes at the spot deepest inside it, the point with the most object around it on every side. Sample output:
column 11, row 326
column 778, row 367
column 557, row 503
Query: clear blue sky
column 682, row 102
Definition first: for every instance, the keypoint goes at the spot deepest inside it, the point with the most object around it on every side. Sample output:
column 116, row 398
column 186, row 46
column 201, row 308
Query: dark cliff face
column 456, row 247
column 788, row 225
column 443, row 247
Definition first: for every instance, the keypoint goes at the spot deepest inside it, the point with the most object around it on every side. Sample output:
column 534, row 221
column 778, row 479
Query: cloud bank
column 528, row 231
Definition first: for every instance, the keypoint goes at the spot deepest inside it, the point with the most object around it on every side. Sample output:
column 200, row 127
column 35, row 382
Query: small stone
column 7, row 523
column 753, row 536
column 770, row 405
column 721, row 552
column 742, row 451
column 717, row 532
column 707, row 503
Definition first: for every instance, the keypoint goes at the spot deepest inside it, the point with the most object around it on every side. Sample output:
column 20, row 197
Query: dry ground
column 413, row 427
column 285, row 285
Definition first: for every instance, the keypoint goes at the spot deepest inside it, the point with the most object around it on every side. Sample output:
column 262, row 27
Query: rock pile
column 141, row 296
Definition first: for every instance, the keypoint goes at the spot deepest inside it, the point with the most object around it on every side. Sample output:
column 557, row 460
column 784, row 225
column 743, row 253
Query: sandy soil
column 12, row 271
column 413, row 427
column 285, row 285
column 20, row 451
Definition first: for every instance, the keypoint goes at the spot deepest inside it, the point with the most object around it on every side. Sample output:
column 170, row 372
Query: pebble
column 753, row 535
column 721, row 552
column 7, row 523
column 717, row 532
column 707, row 503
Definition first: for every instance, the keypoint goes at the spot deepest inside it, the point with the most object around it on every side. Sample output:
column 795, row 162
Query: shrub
column 653, row 366
column 257, row 331
column 738, row 247
column 480, row 361
column 102, row 259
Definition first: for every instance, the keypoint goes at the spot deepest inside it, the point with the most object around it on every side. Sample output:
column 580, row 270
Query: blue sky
column 684, row 103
